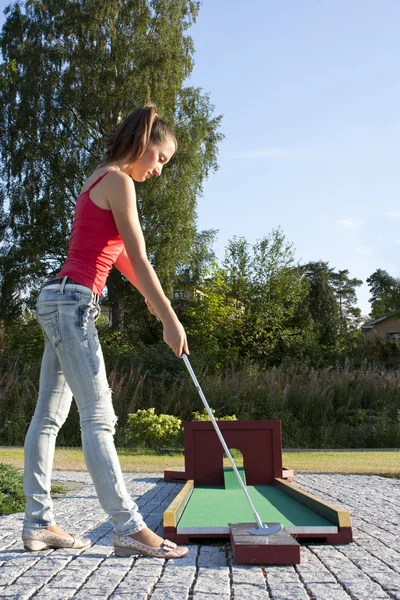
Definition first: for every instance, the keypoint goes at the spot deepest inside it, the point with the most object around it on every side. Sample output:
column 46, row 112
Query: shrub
column 204, row 416
column 145, row 428
column 12, row 498
column 24, row 339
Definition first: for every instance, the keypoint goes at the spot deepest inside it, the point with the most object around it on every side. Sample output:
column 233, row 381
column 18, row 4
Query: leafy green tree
column 271, row 254
column 275, row 326
column 385, row 294
column 272, row 291
column 140, row 324
column 212, row 319
column 332, row 304
column 70, row 72
column 200, row 262
column 322, row 302
column 346, row 297
column 237, row 263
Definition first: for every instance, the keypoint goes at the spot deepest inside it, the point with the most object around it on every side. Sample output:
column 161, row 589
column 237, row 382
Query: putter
column 262, row 528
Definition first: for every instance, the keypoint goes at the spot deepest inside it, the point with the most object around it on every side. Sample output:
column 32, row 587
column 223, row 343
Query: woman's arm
column 124, row 265
column 121, row 196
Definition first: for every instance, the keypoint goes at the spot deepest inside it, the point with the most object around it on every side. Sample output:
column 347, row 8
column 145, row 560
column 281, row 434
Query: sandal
column 124, row 545
column 40, row 539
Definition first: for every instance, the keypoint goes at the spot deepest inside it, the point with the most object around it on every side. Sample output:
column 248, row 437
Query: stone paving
column 369, row 568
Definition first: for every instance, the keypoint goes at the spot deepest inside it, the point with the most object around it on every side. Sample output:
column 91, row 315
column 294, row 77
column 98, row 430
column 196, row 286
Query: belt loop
column 64, row 281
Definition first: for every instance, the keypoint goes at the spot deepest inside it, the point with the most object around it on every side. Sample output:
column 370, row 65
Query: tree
column 10, row 270
column 237, row 263
column 267, row 281
column 200, row 262
column 322, row 302
column 190, row 275
column 346, row 297
column 332, row 303
column 212, row 319
column 385, row 291
column 71, row 71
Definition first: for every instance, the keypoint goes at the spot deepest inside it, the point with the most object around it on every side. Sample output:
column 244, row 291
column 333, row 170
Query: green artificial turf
column 218, row 507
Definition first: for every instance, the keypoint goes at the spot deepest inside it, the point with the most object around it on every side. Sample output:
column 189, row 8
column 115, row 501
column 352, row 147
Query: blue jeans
column 73, row 364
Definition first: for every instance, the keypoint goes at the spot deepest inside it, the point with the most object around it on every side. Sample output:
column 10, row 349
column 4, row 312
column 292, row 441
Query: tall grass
column 335, row 407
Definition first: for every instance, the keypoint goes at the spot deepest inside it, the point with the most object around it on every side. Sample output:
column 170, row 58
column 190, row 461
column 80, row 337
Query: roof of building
column 371, row 324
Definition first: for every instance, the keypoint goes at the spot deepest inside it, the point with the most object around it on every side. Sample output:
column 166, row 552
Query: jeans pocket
column 50, row 325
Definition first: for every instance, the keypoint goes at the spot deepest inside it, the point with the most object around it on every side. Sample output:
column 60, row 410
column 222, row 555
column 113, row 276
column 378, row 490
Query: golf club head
column 266, row 529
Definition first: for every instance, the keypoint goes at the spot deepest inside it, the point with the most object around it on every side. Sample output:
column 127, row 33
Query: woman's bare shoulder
column 118, row 183
column 119, row 191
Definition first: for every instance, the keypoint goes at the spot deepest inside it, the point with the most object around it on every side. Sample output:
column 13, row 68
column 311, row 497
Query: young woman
column 105, row 232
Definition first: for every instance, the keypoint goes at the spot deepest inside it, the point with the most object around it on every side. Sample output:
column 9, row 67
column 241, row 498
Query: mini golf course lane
column 212, row 509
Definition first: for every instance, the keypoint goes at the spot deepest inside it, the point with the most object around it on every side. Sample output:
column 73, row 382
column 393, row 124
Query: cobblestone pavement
column 369, row 568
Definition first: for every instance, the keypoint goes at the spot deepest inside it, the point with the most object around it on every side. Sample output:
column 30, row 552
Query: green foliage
column 146, row 428
column 117, row 347
column 212, row 319
column 274, row 323
column 322, row 303
column 346, row 297
column 237, row 263
column 204, row 416
column 24, row 339
column 200, row 262
column 351, row 404
column 18, row 396
column 12, row 497
column 332, row 305
column 370, row 349
column 325, row 408
column 58, row 58
column 385, row 291
column 251, row 308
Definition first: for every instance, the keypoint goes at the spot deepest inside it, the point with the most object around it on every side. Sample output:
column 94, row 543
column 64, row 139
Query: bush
column 346, row 404
column 12, row 497
column 204, row 416
column 23, row 339
column 145, row 428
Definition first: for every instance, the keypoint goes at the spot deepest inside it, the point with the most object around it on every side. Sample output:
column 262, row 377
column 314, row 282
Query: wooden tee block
column 276, row 549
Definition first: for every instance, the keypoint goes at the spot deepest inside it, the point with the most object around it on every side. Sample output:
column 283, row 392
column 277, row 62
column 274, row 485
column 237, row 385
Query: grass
column 383, row 463
column 12, row 498
column 72, row 460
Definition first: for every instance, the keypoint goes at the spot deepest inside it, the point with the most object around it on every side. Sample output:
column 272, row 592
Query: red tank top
column 95, row 243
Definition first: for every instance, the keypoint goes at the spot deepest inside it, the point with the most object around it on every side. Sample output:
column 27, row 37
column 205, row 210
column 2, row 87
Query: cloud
column 349, row 223
column 276, row 153
column 395, row 214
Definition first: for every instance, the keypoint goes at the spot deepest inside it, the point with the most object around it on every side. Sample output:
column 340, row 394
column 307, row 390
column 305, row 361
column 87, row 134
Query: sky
column 309, row 93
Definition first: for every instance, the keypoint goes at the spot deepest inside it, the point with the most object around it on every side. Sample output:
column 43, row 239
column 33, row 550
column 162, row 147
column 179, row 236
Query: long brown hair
column 132, row 136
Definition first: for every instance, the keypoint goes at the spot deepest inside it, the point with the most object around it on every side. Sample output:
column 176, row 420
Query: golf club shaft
column 217, row 429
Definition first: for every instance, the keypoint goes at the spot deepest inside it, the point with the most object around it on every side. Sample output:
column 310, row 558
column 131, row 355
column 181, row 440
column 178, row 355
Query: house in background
column 385, row 328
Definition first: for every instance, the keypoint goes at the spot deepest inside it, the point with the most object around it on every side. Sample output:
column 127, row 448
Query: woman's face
column 152, row 161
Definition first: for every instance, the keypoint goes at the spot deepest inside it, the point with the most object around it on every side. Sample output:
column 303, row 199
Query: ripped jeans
column 73, row 364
